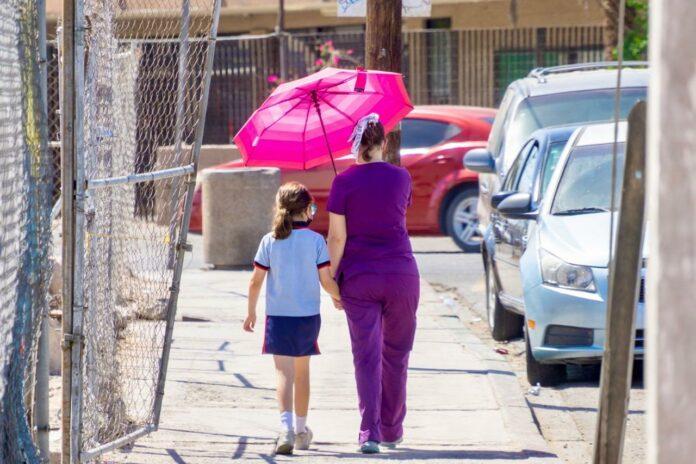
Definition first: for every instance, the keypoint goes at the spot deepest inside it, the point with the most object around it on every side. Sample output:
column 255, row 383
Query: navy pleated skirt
column 292, row 336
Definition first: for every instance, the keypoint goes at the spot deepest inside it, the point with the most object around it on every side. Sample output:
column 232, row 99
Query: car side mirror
column 480, row 160
column 517, row 206
column 499, row 197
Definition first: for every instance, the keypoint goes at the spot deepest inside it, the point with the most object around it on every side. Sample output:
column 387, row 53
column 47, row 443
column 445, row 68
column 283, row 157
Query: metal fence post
column 180, row 108
column 67, row 97
column 182, row 245
column 73, row 219
column 41, row 409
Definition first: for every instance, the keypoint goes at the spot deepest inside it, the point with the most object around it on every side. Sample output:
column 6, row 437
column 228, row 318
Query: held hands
column 250, row 322
column 337, row 303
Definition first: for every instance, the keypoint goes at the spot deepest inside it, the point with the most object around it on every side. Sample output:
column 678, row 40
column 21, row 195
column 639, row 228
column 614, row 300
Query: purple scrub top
column 374, row 197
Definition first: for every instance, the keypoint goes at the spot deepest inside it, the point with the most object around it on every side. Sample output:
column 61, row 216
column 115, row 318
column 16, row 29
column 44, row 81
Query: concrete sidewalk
column 464, row 401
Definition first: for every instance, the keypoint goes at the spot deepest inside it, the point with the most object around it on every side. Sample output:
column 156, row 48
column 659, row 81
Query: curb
column 517, row 415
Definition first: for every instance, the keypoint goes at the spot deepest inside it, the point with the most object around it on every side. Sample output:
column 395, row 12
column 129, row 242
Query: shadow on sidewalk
column 421, row 455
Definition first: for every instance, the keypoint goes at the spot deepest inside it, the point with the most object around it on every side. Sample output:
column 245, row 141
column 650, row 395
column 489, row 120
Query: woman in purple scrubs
column 372, row 261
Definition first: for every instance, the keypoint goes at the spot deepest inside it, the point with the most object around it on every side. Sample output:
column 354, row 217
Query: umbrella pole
column 323, row 129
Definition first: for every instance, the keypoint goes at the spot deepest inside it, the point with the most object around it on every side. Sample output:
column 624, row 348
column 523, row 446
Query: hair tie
column 359, row 129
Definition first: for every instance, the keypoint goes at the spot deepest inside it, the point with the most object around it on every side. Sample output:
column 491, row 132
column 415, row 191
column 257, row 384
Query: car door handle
column 441, row 159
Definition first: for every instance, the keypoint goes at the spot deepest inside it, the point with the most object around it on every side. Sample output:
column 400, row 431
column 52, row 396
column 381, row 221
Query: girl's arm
column 328, row 283
column 255, row 284
column 336, row 240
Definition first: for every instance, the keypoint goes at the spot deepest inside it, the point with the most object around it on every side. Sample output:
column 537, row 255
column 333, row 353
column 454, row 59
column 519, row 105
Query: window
column 526, row 180
column 585, row 186
column 495, row 139
column 424, row 133
column 564, row 109
column 552, row 158
column 512, row 174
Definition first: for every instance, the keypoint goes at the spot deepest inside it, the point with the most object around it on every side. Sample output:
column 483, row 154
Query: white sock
column 300, row 422
column 286, row 420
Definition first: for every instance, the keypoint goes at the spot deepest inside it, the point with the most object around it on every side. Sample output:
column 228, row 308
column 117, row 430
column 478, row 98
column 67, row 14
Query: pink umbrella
column 306, row 122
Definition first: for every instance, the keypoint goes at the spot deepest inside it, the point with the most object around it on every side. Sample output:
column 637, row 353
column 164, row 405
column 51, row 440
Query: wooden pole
column 383, row 52
column 624, row 274
column 671, row 319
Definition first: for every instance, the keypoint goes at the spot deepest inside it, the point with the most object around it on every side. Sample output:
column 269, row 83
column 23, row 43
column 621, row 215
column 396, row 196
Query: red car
column 434, row 140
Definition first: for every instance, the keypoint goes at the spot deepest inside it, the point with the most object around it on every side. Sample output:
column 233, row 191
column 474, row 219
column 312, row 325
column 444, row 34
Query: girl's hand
column 337, row 304
column 250, row 323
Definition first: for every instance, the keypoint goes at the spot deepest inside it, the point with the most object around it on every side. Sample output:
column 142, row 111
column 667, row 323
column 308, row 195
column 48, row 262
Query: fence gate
column 141, row 78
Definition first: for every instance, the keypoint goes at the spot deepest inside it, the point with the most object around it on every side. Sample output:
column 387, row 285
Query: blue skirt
column 292, row 336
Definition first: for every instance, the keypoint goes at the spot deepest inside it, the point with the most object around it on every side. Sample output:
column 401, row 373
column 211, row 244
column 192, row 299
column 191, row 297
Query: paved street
column 566, row 414
column 465, row 402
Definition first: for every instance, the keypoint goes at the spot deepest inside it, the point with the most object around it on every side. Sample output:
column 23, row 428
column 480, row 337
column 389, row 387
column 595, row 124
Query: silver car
column 564, row 266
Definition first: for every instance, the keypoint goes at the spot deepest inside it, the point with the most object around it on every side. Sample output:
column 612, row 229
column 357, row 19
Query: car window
column 526, row 177
column 550, row 164
column 424, row 133
column 564, row 109
column 511, row 176
column 585, row 185
column 496, row 136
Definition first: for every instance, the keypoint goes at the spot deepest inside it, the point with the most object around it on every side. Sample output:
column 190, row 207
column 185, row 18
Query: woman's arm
column 328, row 283
column 337, row 240
column 255, row 284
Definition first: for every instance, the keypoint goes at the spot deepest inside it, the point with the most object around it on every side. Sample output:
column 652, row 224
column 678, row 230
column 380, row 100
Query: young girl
column 296, row 261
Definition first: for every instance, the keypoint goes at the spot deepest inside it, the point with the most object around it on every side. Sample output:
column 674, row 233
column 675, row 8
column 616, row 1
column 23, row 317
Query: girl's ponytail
column 292, row 199
column 282, row 223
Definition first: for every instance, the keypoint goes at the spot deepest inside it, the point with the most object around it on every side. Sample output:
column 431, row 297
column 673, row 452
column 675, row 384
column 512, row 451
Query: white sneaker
column 285, row 442
column 304, row 439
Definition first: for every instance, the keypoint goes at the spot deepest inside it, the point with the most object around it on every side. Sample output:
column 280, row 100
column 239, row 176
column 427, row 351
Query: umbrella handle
column 323, row 129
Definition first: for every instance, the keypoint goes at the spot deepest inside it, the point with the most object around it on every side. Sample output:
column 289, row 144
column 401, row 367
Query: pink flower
column 349, row 51
column 319, row 62
column 336, row 59
column 329, row 43
column 272, row 79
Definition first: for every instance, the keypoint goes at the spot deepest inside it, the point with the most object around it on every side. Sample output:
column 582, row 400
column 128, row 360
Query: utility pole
column 282, row 45
column 383, row 52
column 671, row 324
column 625, row 271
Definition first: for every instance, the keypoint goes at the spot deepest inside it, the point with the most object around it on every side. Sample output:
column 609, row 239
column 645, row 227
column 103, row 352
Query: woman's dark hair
column 373, row 136
column 292, row 199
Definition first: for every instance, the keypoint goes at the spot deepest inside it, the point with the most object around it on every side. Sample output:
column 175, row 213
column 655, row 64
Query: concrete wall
column 258, row 17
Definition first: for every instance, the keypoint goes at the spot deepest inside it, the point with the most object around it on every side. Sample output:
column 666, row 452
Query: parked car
column 564, row 257
column 561, row 95
column 434, row 140
column 503, row 241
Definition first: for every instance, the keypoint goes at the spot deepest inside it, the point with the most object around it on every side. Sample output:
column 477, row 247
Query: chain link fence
column 145, row 89
column 440, row 66
column 25, row 238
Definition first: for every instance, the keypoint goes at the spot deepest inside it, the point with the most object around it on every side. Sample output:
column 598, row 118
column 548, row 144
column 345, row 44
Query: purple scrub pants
column 381, row 312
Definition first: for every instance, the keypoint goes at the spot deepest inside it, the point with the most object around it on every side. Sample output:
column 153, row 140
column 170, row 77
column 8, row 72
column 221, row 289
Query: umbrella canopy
column 307, row 122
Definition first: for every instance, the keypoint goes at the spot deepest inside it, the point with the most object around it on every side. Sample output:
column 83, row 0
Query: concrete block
column 237, row 212
column 211, row 155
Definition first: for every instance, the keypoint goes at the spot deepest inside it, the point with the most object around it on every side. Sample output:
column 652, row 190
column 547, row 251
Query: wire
column 617, row 116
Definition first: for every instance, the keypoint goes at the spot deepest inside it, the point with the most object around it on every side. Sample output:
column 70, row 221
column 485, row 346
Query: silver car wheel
column 465, row 223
